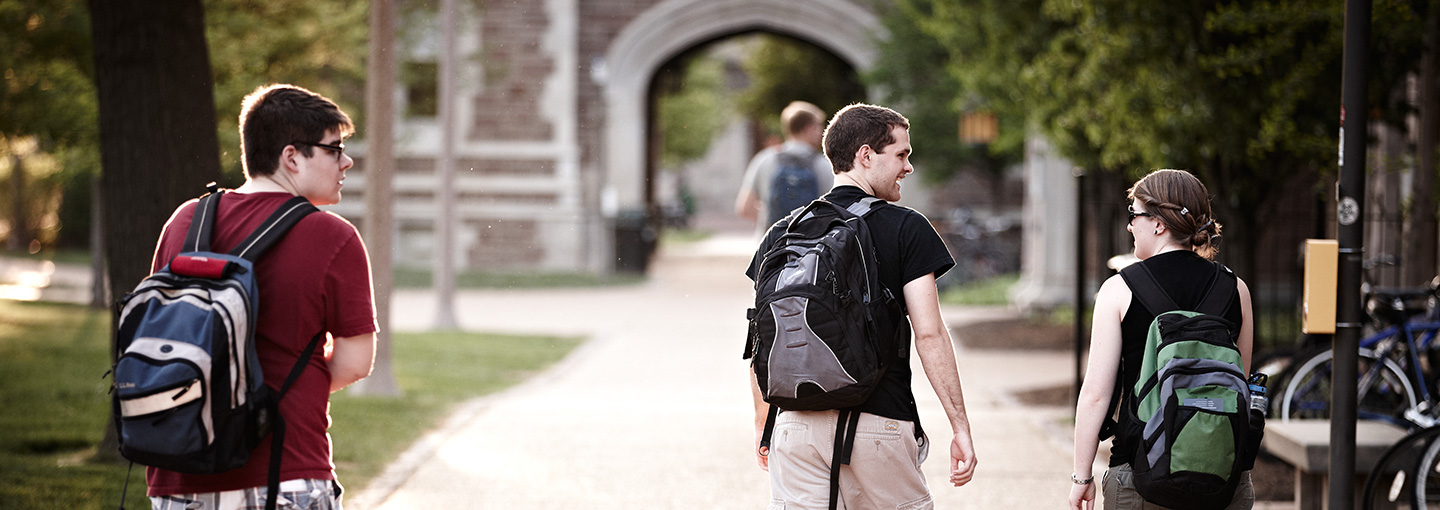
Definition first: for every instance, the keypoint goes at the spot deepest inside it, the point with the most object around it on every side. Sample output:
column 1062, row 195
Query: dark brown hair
column 278, row 115
column 859, row 125
column 1180, row 201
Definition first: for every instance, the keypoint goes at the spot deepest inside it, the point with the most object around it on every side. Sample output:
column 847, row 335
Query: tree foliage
column 47, row 120
column 911, row 76
column 319, row 45
column 783, row 69
column 49, row 93
column 47, row 66
column 1245, row 94
column 691, row 107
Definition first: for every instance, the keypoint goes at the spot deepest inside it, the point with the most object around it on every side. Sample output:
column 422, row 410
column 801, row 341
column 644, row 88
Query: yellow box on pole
column 1322, row 272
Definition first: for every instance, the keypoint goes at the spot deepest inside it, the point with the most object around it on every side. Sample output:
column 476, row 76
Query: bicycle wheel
column 1387, row 392
column 1426, row 476
column 1393, row 483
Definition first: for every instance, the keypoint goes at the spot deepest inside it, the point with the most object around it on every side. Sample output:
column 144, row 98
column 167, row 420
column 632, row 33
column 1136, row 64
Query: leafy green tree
column 782, row 69
column 691, row 107
column 47, row 109
column 911, row 73
column 1244, row 94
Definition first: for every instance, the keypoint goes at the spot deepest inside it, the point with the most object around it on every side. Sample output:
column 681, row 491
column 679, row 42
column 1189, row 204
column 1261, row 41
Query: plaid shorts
column 311, row 494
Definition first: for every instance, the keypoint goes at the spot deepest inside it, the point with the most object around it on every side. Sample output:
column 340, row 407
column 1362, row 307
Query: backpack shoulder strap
column 277, row 444
column 860, row 208
column 865, row 206
column 1224, row 288
column 783, row 158
column 274, row 228
column 202, row 222
column 1142, row 283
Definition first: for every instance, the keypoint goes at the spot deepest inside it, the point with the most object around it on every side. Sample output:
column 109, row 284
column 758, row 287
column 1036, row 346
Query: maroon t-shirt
column 315, row 279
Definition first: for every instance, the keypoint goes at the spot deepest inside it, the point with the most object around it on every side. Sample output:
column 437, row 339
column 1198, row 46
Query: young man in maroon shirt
column 316, row 279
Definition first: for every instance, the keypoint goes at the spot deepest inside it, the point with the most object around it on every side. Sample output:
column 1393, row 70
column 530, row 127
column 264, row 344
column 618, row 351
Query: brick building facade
column 552, row 113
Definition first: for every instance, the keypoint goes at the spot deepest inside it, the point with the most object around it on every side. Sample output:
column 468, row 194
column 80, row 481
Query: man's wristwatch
column 1078, row 481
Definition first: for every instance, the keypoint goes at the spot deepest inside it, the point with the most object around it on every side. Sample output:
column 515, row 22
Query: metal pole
column 1349, row 213
column 1080, row 263
column 445, row 170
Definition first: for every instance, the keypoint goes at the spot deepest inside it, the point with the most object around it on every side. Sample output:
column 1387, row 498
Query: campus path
column 654, row 410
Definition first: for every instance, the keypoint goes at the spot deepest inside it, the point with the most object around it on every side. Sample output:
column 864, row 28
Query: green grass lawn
column 989, row 291
column 677, row 236
column 53, row 402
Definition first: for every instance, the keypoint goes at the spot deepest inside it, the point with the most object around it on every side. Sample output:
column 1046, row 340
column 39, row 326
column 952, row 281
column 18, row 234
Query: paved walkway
column 654, row 410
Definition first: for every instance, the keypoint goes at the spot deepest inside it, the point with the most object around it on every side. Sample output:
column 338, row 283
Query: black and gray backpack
column 824, row 330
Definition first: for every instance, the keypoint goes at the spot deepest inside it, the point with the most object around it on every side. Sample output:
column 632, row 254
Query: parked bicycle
column 1394, row 386
column 1406, row 476
column 1393, row 383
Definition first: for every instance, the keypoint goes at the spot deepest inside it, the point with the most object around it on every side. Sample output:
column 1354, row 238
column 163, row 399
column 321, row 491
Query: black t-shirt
column 1186, row 278
column 906, row 247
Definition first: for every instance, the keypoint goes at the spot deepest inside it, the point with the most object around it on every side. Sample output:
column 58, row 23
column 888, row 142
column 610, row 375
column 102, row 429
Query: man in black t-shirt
column 869, row 148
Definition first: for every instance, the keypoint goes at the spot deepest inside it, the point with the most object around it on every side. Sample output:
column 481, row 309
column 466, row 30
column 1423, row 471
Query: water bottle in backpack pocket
column 1259, row 405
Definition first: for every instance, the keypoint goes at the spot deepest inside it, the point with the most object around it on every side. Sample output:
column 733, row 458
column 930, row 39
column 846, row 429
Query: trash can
column 634, row 241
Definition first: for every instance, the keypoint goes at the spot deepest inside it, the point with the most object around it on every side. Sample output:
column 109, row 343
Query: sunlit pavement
column 654, row 410
column 42, row 280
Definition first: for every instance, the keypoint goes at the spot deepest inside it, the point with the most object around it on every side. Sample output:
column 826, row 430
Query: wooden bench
column 1305, row 444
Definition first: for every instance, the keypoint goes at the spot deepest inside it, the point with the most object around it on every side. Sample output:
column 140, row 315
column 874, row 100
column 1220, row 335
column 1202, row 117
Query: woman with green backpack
column 1133, row 348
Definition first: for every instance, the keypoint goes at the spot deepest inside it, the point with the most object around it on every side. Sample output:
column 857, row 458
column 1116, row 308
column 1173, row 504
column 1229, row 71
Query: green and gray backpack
column 1189, row 408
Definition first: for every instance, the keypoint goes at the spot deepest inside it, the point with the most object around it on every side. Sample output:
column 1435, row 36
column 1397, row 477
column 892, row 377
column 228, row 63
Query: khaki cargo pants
column 884, row 470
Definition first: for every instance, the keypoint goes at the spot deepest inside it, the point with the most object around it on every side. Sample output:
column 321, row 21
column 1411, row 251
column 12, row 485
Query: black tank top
column 1186, row 278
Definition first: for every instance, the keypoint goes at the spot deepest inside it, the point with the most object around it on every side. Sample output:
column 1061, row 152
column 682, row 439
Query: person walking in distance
column 780, row 179
column 316, row 279
column 869, row 148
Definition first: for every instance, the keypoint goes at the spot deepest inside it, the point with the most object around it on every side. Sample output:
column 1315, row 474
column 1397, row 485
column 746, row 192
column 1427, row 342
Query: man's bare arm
column 937, row 357
column 351, row 360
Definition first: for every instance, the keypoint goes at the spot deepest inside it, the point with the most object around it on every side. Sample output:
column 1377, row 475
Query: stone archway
column 672, row 26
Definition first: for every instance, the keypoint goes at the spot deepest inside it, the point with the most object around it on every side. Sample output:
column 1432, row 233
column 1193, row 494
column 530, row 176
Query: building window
column 422, row 89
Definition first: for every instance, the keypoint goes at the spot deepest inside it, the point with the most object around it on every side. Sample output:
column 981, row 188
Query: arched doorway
column 674, row 26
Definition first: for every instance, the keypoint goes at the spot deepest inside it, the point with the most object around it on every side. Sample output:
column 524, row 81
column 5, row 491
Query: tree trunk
column 379, row 195
column 1420, row 258
column 19, row 226
column 158, row 145
column 99, row 291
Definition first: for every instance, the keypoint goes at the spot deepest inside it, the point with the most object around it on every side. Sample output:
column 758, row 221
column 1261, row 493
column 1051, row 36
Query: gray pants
column 1119, row 487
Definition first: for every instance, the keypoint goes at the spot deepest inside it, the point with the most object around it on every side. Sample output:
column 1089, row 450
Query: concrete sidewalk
column 654, row 410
